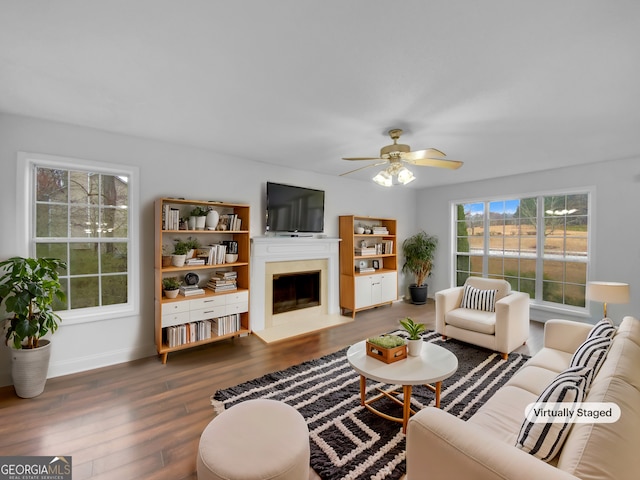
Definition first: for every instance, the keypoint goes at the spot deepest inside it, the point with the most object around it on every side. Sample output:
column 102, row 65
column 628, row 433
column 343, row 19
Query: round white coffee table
column 434, row 364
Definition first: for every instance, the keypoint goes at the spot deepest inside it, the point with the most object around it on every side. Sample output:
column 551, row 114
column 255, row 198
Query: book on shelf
column 230, row 221
column 190, row 290
column 380, row 231
column 362, row 251
column 170, row 218
column 190, row 332
column 195, row 261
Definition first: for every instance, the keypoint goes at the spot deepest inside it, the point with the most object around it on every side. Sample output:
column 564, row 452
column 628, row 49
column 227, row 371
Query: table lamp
column 608, row 292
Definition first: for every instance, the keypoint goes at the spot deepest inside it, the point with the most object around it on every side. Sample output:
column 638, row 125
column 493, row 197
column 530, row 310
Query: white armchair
column 502, row 330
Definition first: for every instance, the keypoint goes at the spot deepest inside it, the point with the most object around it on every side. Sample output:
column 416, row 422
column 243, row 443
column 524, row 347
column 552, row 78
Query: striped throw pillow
column 592, row 353
column 544, row 440
column 604, row 328
column 477, row 299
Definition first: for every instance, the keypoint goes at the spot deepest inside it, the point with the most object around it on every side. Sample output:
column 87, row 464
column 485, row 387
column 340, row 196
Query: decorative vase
column 414, row 347
column 178, row 260
column 171, row 293
column 200, row 221
column 29, row 367
column 192, row 223
column 359, row 230
column 212, row 219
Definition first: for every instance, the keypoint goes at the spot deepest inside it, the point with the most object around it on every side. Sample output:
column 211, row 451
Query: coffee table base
column 392, row 394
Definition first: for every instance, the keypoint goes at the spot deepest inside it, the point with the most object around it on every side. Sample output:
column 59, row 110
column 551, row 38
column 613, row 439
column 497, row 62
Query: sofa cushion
column 472, row 320
column 592, row 353
column 544, row 440
column 604, row 328
column 551, row 359
column 533, row 379
column 477, row 299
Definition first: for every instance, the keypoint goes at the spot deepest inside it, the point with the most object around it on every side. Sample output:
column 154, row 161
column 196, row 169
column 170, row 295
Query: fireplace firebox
column 295, row 291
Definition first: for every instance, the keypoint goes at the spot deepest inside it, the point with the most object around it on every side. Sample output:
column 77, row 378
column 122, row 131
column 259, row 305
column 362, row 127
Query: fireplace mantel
column 282, row 249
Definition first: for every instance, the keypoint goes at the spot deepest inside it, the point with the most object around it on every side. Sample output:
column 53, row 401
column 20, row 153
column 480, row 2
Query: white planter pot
column 171, row 293
column 414, row 347
column 200, row 222
column 178, row 260
column 29, row 369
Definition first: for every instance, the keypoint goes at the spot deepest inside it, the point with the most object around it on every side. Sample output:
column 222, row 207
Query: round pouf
column 256, row 439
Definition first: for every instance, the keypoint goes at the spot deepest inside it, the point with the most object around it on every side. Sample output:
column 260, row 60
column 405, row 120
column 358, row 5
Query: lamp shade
column 608, row 292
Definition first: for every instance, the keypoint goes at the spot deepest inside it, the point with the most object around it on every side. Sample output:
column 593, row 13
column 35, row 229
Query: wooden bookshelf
column 361, row 290
column 229, row 309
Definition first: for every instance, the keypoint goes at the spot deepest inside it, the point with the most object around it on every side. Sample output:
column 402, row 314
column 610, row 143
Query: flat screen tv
column 294, row 209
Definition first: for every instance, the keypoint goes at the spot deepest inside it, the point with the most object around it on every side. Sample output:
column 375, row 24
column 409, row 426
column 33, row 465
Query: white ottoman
column 257, row 439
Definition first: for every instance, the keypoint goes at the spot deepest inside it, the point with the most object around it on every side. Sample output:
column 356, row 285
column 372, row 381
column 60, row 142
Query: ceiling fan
column 397, row 154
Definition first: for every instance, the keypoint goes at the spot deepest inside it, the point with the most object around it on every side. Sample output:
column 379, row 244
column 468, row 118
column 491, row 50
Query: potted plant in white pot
column 414, row 342
column 28, row 289
column 171, row 287
column 419, row 251
column 179, row 256
column 199, row 215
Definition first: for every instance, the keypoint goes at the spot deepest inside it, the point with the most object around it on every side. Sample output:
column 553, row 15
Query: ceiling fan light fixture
column 383, row 178
column 405, row 176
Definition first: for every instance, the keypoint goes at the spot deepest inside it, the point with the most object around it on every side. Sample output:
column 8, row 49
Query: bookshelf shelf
column 194, row 320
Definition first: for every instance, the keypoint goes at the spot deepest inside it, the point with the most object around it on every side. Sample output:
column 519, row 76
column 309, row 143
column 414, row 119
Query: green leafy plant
column 199, row 212
column 28, row 288
column 419, row 251
column 170, row 283
column 387, row 341
column 413, row 329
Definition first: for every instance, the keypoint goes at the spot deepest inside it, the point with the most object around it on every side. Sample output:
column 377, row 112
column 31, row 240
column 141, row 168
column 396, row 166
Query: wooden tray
column 387, row 355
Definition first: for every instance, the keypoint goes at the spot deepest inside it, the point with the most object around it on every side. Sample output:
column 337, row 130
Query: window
column 82, row 213
column 539, row 244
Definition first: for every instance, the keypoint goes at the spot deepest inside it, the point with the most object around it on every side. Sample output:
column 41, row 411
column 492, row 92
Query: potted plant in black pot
column 419, row 251
column 28, row 289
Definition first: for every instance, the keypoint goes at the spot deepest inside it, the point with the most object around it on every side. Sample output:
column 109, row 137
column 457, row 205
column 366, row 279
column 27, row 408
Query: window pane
column 114, row 223
column 85, row 292
column 113, row 257
column 84, row 259
column 114, row 289
column 576, row 273
column 84, row 222
column 553, row 270
column 115, row 191
column 575, row 295
column 51, row 185
column 476, row 265
column 53, row 250
column 496, row 266
column 84, row 188
column 552, row 292
column 51, row 221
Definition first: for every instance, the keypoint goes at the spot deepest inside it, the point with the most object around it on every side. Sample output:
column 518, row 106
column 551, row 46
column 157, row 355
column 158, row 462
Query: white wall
column 165, row 170
column 615, row 222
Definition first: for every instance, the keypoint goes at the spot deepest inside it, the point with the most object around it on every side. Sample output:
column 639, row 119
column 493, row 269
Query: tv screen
column 294, row 209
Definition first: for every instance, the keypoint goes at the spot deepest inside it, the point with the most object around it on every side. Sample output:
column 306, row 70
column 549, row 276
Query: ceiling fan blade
column 362, row 168
column 362, row 158
column 428, row 153
column 436, row 162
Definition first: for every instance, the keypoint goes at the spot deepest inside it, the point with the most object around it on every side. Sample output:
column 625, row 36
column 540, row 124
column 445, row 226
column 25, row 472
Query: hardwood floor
column 142, row 419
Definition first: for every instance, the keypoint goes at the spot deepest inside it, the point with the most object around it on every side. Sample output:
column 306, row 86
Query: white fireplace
column 272, row 256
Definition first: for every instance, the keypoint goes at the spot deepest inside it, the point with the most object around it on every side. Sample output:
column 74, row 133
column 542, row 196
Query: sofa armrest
column 446, row 300
column 565, row 335
column 512, row 321
column 440, row 445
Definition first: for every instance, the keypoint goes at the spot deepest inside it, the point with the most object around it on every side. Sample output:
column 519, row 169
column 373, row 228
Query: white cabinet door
column 389, row 283
column 376, row 289
column 363, row 292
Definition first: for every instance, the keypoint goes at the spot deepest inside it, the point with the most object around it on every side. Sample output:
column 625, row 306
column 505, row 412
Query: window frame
column 538, row 302
column 26, row 207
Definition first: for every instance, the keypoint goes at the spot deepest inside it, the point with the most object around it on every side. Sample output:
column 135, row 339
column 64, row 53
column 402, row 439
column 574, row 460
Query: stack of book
column 380, row 230
column 223, row 282
column 212, row 254
column 195, row 261
column 189, row 290
column 362, row 251
column 365, row 269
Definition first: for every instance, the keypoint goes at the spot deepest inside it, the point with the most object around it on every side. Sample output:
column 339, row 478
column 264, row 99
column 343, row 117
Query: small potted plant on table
column 414, row 343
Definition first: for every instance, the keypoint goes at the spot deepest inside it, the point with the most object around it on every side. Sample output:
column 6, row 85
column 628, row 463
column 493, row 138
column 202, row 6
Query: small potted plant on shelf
column 419, row 251
column 414, row 330
column 171, row 286
column 29, row 287
column 198, row 218
column 180, row 250
column 192, row 245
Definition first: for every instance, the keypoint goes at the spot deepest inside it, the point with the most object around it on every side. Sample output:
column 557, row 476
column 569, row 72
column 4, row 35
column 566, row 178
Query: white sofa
column 503, row 330
column 440, row 445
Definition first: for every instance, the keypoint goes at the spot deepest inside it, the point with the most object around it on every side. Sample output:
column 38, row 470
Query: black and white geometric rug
column 350, row 442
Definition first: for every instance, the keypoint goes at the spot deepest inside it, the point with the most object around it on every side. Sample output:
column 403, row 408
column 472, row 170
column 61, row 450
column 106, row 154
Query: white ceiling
column 505, row 86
